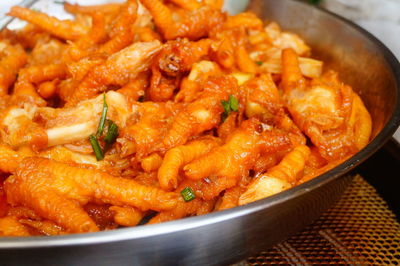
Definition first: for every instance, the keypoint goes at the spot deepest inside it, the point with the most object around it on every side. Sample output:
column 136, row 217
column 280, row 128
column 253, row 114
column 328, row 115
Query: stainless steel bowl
column 228, row 236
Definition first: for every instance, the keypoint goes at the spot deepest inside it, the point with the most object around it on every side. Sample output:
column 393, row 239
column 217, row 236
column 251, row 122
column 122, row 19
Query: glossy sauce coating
column 158, row 110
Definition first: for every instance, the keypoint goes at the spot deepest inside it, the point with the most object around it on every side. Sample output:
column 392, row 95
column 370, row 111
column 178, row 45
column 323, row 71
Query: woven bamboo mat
column 359, row 230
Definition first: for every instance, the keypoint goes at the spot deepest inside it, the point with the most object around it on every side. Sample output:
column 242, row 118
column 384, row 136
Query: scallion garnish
column 59, row 2
column 231, row 105
column 226, row 105
column 188, row 194
column 112, row 134
column 109, row 139
column 103, row 117
column 96, row 147
column 234, row 103
column 259, row 63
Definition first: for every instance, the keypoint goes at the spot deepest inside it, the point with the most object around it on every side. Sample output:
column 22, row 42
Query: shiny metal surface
column 228, row 236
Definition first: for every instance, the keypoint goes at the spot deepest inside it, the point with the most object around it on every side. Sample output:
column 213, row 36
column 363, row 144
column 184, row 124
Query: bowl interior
column 362, row 63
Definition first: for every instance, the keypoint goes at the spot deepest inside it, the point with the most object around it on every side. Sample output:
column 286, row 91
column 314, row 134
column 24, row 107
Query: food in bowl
column 151, row 111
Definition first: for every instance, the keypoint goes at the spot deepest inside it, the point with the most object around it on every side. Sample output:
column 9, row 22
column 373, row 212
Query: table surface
column 359, row 229
column 363, row 227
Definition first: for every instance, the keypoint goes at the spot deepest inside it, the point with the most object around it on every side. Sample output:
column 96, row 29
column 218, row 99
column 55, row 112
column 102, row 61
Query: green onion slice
column 234, row 103
column 112, row 132
column 259, row 63
column 231, row 105
column 226, row 106
column 103, row 117
column 188, row 194
column 96, row 147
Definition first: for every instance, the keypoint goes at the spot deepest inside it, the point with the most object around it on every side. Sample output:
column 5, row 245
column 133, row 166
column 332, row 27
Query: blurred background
column 380, row 17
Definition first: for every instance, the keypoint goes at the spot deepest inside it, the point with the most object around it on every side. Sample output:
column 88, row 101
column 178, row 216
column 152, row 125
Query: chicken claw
column 238, row 154
column 202, row 114
column 320, row 109
column 64, row 29
column 14, row 57
column 192, row 24
column 57, row 191
column 118, row 69
column 179, row 156
column 280, row 177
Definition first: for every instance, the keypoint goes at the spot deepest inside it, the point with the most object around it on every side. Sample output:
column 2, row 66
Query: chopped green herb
column 96, row 147
column 259, row 63
column 103, row 117
column 234, row 103
column 188, row 194
column 227, row 106
column 59, row 2
column 112, row 134
column 231, row 105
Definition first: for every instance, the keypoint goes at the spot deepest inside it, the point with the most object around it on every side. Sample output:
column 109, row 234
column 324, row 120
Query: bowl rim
column 140, row 232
